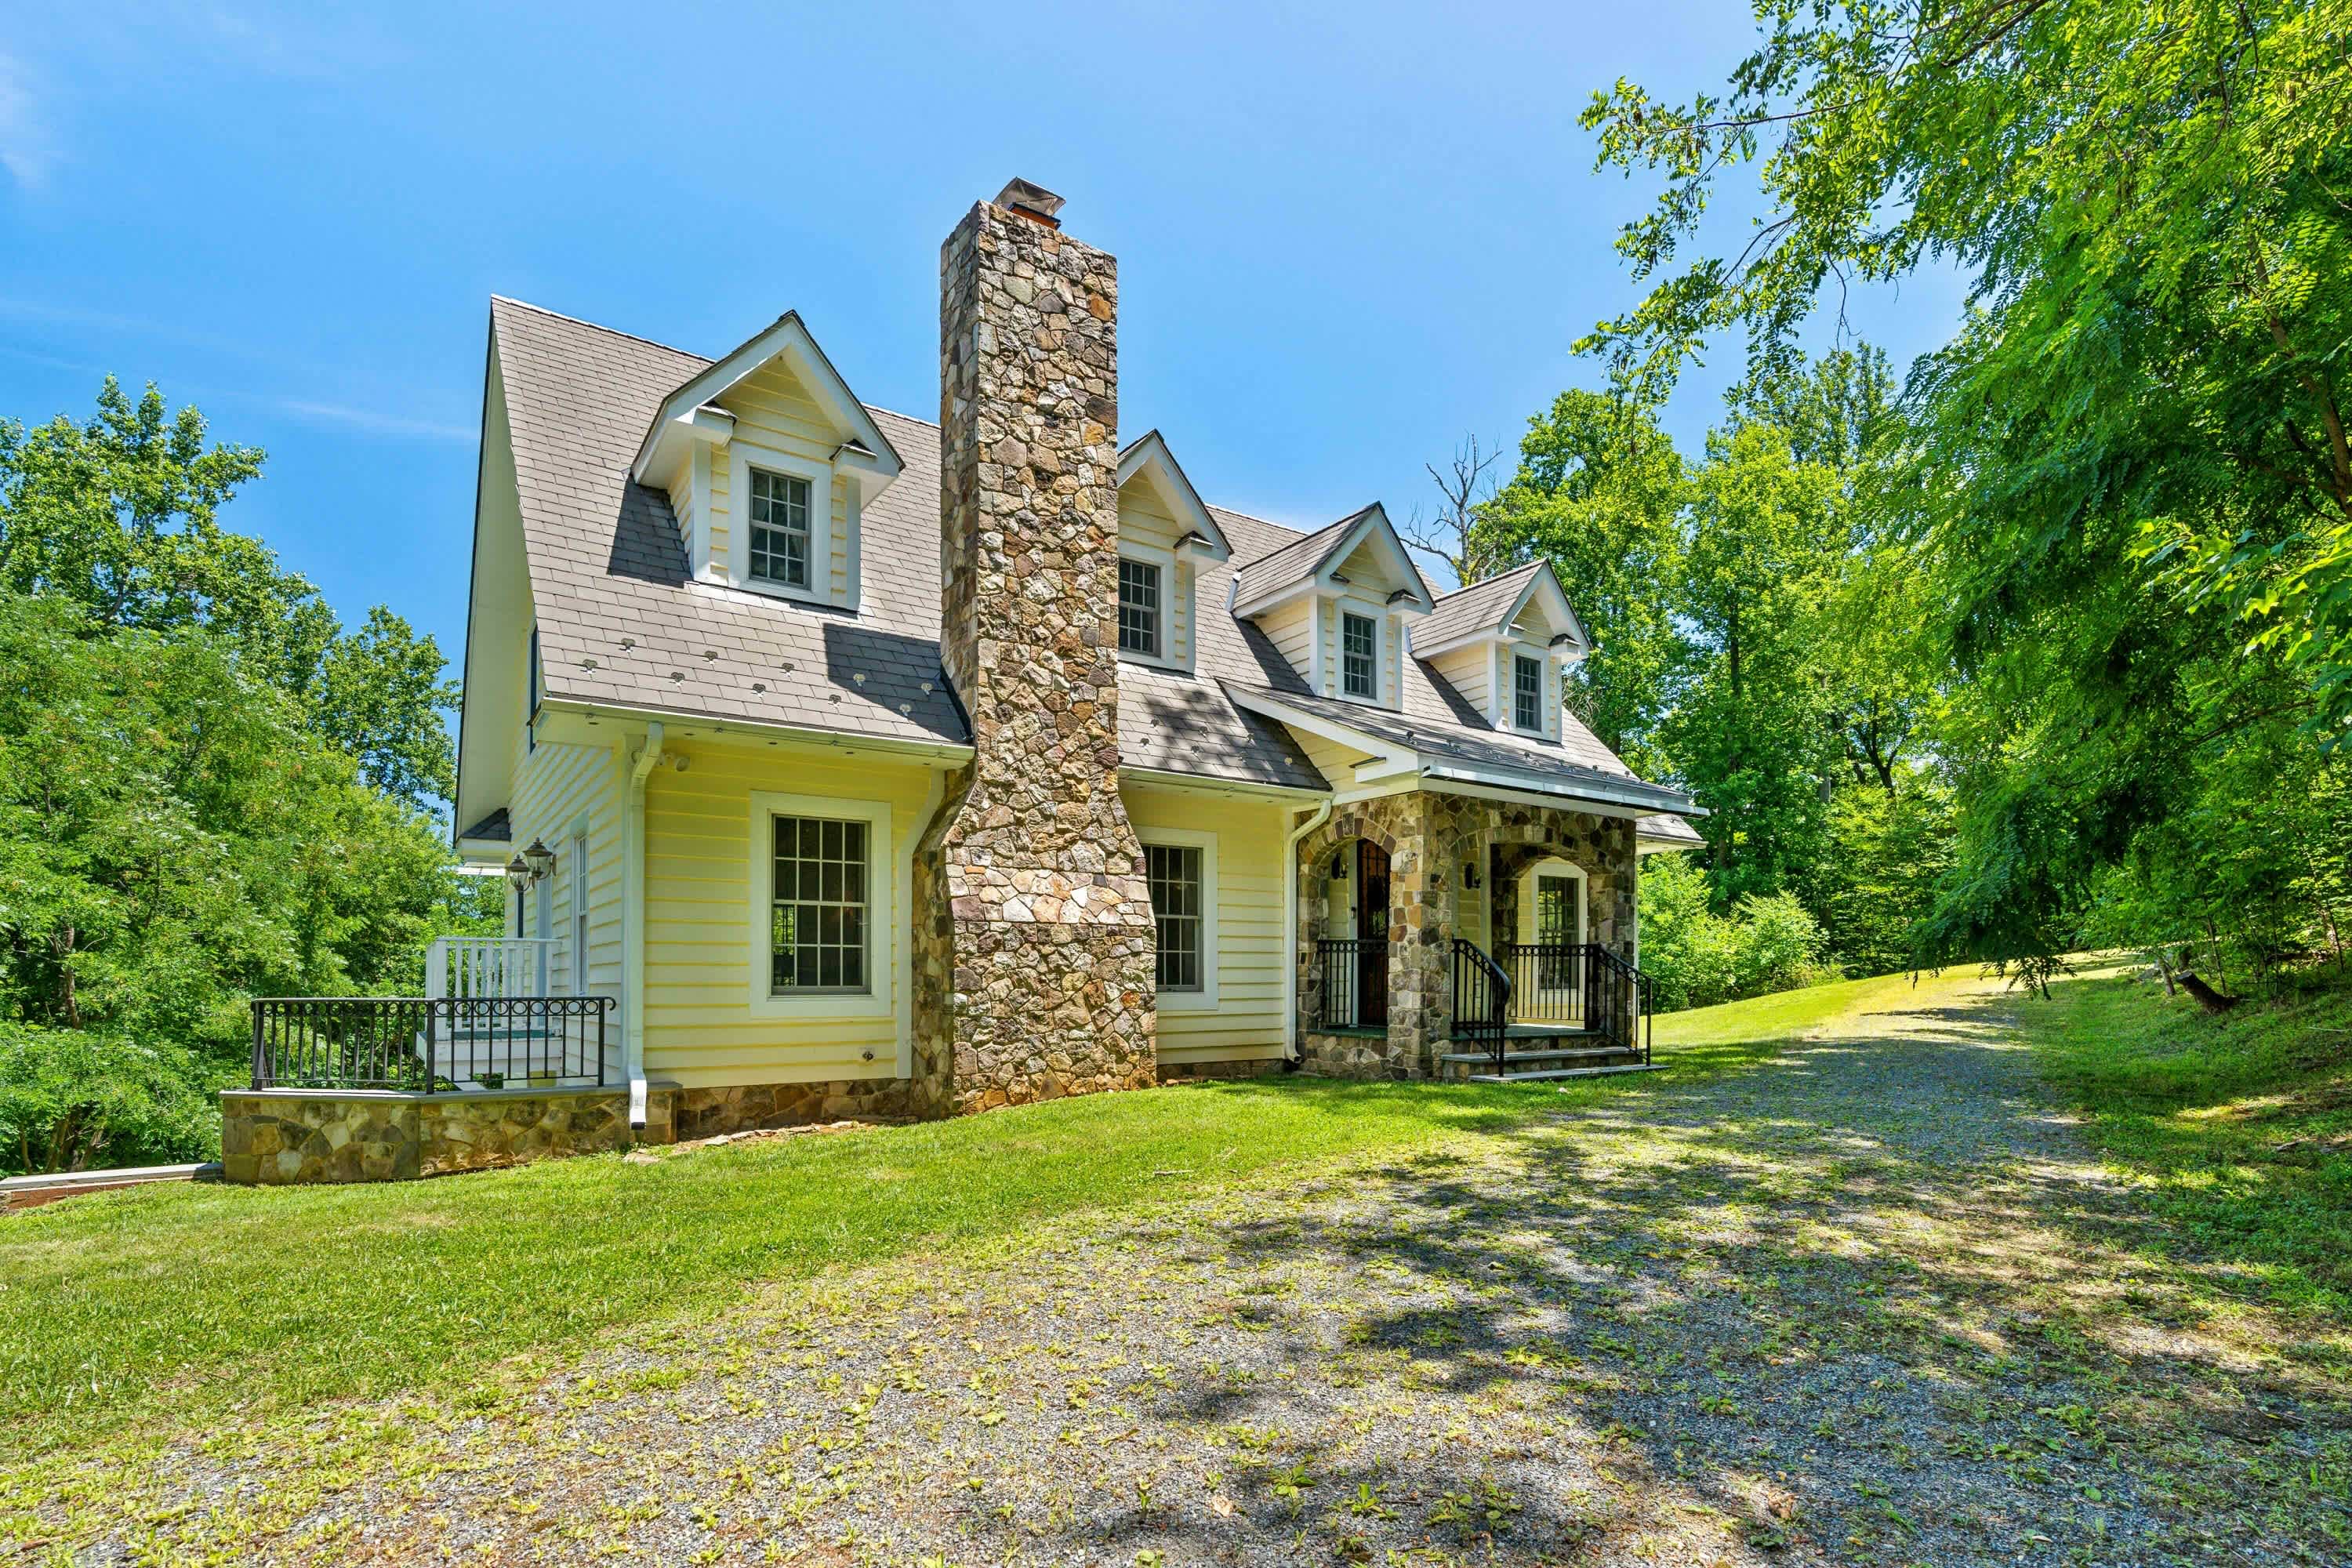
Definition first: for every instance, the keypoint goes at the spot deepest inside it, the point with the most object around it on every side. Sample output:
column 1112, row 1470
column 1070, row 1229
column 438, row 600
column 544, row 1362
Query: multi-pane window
column 780, row 529
column 1526, row 694
column 817, row 924
column 1172, row 871
column 1359, row 656
column 1139, row 607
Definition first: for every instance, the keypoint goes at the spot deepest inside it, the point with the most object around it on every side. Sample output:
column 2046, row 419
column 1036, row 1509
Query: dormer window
column 780, row 529
column 1359, row 656
column 1526, row 694
column 1139, row 608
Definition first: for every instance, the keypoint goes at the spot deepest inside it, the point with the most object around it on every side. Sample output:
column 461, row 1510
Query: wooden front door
column 1372, row 934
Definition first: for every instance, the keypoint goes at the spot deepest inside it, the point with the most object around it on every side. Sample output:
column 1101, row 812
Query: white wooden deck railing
column 471, row 966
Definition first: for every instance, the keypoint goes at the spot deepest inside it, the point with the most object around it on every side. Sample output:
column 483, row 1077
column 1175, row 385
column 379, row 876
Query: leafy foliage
column 71, row 1100
column 207, row 789
column 2119, row 505
column 1697, row 957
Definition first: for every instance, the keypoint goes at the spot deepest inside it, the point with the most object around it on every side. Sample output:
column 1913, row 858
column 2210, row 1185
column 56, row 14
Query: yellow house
column 847, row 762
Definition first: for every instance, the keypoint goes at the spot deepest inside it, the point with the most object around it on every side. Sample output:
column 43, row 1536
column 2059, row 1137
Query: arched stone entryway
column 1435, row 842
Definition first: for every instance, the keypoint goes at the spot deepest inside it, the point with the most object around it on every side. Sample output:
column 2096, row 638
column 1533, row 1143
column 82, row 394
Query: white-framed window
column 1181, row 871
column 779, row 535
column 1359, row 656
column 1143, row 608
column 822, row 881
column 779, row 524
column 818, row 905
column 1526, row 694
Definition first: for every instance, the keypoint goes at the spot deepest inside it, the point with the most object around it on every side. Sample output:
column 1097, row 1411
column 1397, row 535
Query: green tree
column 1598, row 494
column 1751, row 734
column 119, row 516
column 2129, row 484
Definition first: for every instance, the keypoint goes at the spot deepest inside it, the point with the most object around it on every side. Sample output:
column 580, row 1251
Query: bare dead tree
column 1463, row 489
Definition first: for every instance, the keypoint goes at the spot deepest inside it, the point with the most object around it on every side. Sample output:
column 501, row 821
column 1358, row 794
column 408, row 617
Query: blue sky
column 1345, row 241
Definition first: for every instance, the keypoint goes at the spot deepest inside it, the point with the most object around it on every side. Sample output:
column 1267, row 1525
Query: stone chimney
column 1035, row 956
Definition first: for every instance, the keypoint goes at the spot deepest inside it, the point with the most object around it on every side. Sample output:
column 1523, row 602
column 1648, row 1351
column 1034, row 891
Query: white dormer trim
column 1542, row 590
column 1148, row 456
column 681, row 421
column 1371, row 525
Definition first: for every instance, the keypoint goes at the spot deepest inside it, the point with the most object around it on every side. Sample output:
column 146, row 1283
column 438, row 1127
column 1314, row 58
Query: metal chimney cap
column 1031, row 200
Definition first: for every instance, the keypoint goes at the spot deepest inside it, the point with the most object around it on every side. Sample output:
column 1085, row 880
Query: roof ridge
column 600, row 327
column 1498, row 577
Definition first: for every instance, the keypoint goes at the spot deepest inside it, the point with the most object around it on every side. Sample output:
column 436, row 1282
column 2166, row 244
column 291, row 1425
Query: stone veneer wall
column 284, row 1137
column 1429, row 837
column 1035, row 946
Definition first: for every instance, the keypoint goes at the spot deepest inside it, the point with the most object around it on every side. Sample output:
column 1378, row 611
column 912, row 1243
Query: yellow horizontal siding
column 560, row 790
column 1247, row 1022
column 701, row 1029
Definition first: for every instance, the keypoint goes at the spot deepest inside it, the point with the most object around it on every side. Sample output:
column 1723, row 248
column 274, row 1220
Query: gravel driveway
column 1871, row 1304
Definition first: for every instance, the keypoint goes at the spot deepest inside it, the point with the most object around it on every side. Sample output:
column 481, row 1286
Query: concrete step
column 1513, row 1057
column 1563, row 1072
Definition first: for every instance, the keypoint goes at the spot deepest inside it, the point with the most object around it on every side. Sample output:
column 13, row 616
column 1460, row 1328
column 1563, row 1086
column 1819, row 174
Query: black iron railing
column 432, row 1045
column 1351, row 982
column 1579, row 986
column 1482, row 1000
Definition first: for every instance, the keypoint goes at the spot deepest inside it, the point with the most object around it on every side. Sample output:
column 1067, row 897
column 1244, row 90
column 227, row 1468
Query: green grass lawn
column 154, row 1306
column 2237, row 1127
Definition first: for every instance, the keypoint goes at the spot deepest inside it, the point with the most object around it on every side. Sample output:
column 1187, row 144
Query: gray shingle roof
column 1584, row 761
column 607, row 566
column 1295, row 559
column 1479, row 607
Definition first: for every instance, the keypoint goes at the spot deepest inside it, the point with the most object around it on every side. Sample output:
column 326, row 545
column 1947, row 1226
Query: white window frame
column 1346, row 611
column 1520, row 656
column 742, row 456
column 882, row 893
column 1204, row 1000
column 1165, row 560
column 1555, row 865
column 576, row 872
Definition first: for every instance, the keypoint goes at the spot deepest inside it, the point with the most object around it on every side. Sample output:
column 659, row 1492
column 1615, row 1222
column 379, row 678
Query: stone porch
column 1455, row 864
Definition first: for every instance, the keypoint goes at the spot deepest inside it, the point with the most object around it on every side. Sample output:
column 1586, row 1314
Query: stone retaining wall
column 287, row 1137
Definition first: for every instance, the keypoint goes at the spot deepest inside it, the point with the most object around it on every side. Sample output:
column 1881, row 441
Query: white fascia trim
column 1203, row 1000
column 952, row 754
column 1162, row 778
column 486, row 851
column 1387, row 756
column 1149, row 456
column 882, row 878
column 787, row 338
column 1467, row 779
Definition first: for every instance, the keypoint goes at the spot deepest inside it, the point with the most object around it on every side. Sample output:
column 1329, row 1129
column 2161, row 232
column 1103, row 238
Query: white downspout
column 633, row 922
column 1290, row 927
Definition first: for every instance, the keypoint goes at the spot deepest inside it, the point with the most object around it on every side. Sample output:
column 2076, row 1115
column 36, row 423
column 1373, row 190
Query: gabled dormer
column 1503, row 644
column 770, row 461
column 1337, row 603
column 1165, row 536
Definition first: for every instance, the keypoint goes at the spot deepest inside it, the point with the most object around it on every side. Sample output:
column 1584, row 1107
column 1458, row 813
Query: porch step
column 1563, row 1072
column 1557, row 1055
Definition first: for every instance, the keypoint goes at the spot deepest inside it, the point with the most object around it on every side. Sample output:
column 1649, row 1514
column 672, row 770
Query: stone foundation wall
column 1360, row 1055
column 742, row 1108
column 287, row 1137
column 1199, row 1072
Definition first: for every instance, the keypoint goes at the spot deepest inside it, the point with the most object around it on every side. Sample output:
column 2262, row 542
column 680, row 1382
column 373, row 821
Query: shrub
column 1778, row 947
column 1697, row 957
column 70, row 1100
